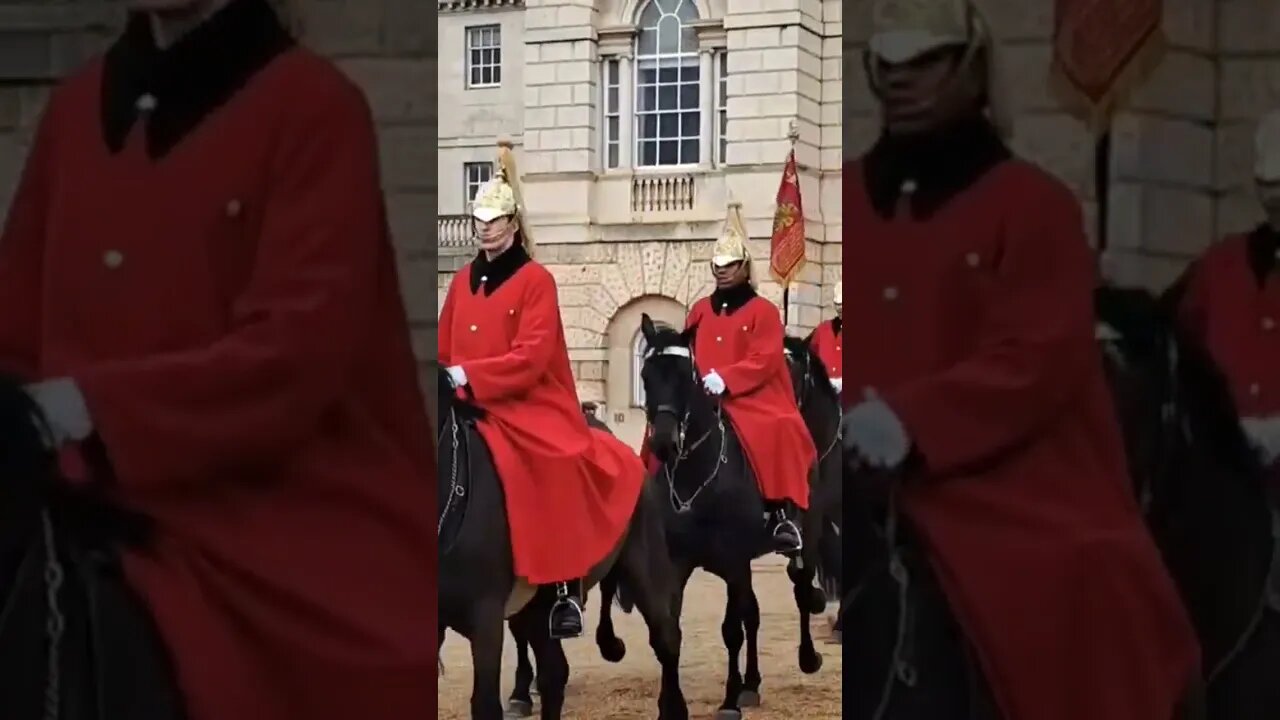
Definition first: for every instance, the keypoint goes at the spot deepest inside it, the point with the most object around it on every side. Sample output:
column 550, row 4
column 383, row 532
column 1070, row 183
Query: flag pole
column 793, row 134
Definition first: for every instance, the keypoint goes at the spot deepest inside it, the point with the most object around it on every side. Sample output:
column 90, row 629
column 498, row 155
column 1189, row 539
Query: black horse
column 1204, row 493
column 715, row 513
column 75, row 642
column 820, row 407
column 478, row 587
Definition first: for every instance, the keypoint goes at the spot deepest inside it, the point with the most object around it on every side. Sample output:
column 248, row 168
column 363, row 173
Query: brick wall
column 388, row 46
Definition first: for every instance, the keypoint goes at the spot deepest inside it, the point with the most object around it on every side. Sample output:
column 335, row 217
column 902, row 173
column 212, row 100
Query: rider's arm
column 1036, row 347
column 22, row 242
column 519, row 369
column 252, row 396
column 764, row 357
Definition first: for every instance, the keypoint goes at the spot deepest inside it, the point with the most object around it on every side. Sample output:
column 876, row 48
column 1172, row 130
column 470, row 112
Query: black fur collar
column 941, row 166
column 189, row 80
column 1263, row 244
column 730, row 300
column 492, row 273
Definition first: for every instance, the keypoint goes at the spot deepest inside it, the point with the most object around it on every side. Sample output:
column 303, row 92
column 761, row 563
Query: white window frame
column 481, row 39
column 474, row 176
column 684, row 57
column 611, row 118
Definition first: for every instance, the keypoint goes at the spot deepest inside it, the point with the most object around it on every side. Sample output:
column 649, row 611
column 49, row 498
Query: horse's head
column 670, row 384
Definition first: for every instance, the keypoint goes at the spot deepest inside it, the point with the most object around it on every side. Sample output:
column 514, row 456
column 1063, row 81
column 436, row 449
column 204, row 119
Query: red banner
column 786, row 247
column 1094, row 41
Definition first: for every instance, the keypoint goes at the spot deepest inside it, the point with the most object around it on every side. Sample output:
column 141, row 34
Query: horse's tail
column 829, row 561
column 622, row 598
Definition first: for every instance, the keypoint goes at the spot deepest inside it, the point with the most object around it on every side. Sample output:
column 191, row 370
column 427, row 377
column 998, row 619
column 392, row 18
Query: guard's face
column 497, row 235
column 730, row 275
column 925, row 93
column 1269, row 197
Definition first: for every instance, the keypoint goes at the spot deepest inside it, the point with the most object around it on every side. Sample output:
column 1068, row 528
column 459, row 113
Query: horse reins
column 55, row 623
column 457, row 491
column 684, row 452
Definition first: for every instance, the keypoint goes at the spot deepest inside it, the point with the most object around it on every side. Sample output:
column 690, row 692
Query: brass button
column 511, row 311
column 1255, row 389
column 113, row 259
column 909, row 186
column 891, row 293
column 484, row 278
column 146, row 102
column 1268, row 324
column 473, row 328
column 744, row 328
column 233, row 208
column 973, row 259
column 719, row 339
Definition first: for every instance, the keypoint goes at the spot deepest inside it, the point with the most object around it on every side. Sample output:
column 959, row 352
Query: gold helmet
column 1267, row 149
column 732, row 245
column 837, row 295
column 902, row 30
column 501, row 196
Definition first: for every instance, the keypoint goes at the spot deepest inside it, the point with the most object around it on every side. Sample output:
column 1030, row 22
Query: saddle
column 76, row 642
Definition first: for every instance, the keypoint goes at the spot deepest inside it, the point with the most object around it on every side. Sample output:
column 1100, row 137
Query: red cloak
column 231, row 311
column 571, row 490
column 976, row 327
column 828, row 347
column 744, row 346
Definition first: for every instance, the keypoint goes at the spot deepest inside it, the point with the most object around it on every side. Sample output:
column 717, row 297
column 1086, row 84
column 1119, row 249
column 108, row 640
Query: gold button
column 909, row 186
column 1268, row 324
column 891, row 293
column 833, row 370
column 146, row 102
column 972, row 259
column 744, row 328
column 113, row 259
column 511, row 311
column 1255, row 389
column 718, row 339
column 234, row 208
column 484, row 278
column 837, row 348
column 473, row 328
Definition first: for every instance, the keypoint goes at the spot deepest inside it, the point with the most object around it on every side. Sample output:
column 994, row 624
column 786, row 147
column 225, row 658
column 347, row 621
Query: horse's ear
column 808, row 339
column 647, row 328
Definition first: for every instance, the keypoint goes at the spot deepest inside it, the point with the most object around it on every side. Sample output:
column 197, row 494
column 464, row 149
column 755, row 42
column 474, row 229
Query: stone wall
column 388, row 46
column 1180, row 156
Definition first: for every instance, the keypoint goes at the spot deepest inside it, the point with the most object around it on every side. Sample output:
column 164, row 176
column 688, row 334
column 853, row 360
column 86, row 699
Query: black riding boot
column 786, row 534
column 567, row 621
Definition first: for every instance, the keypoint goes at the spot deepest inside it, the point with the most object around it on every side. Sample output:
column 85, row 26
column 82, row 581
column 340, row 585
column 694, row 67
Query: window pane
column 649, row 17
column 689, row 151
column 475, row 58
column 668, row 152
column 647, row 98
column 648, row 43
column 612, row 130
column 689, row 124
column 613, row 155
column 497, row 75
column 612, row 100
column 668, row 6
column 667, row 127
column 688, row 39
column 648, row 153
column 688, row 96
column 689, row 72
column 475, row 75
column 613, row 72
column 648, row 128
column 687, row 10
column 668, row 76
column 668, row 96
column 669, row 35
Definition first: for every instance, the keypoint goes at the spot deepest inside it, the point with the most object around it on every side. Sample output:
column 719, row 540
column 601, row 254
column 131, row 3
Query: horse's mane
column 1148, row 324
column 801, row 348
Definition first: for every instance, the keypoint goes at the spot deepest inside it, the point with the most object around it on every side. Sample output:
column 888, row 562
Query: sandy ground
column 629, row 690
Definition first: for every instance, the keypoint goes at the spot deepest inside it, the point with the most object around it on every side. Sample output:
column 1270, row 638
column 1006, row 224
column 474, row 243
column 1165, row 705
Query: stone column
column 707, row 91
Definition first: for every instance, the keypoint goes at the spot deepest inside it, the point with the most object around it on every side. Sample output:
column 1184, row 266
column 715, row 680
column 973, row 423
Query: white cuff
column 457, row 375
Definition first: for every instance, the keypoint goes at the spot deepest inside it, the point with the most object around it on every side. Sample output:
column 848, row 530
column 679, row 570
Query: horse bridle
column 683, row 451
column 457, row 490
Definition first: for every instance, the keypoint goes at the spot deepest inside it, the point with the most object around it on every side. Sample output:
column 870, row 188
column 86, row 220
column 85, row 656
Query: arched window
column 668, row 94
column 638, row 348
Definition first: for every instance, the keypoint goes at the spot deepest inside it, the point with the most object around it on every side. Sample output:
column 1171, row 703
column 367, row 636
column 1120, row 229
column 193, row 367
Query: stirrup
column 788, row 526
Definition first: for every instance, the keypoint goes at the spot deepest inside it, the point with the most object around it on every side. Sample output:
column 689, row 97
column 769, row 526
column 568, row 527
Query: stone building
column 1173, row 169
column 387, row 46
column 635, row 123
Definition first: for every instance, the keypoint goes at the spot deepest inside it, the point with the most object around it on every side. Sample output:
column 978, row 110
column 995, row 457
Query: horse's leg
column 750, row 696
column 611, row 646
column 487, row 631
column 732, row 632
column 521, row 703
column 553, row 667
column 809, row 599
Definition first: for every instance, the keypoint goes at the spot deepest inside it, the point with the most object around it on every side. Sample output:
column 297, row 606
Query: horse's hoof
column 612, row 649
column 519, row 709
column 749, row 699
column 729, row 715
column 810, row 663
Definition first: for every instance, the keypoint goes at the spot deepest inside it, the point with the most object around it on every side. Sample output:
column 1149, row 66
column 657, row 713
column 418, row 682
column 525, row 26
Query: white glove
column 837, row 384
column 64, row 409
column 1264, row 434
column 457, row 375
column 874, row 433
column 713, row 383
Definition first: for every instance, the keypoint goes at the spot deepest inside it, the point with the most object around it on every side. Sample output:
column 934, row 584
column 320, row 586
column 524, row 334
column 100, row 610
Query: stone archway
column 624, row 415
